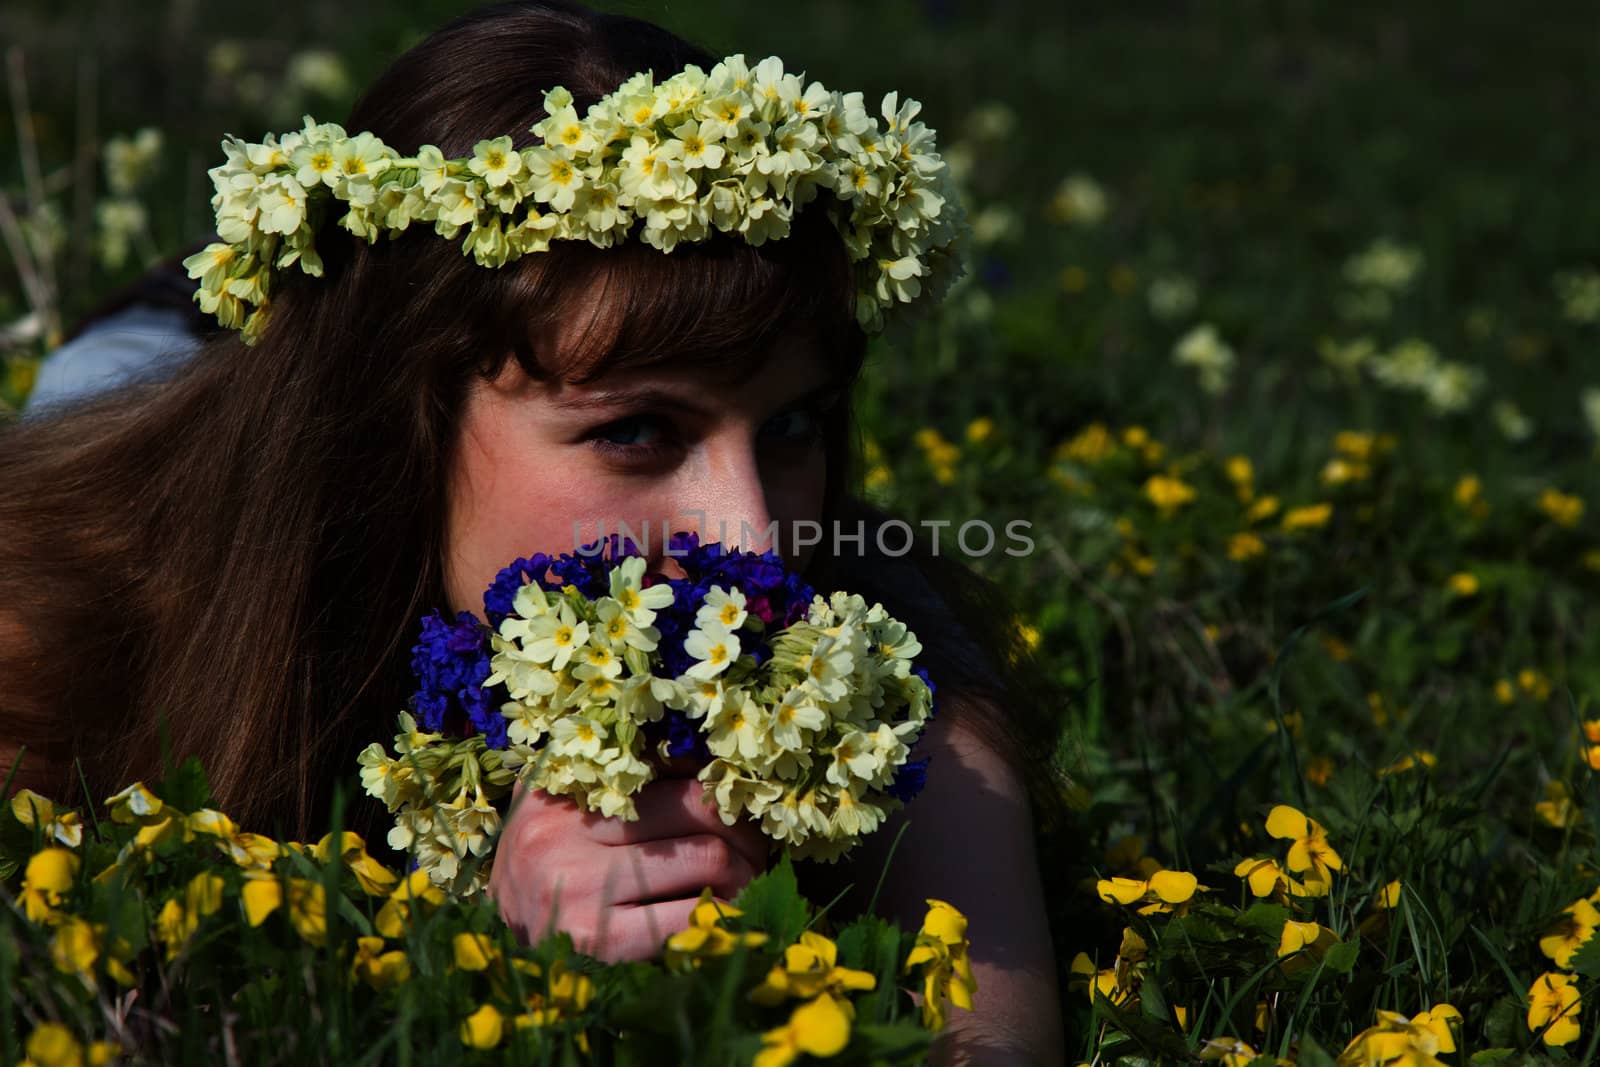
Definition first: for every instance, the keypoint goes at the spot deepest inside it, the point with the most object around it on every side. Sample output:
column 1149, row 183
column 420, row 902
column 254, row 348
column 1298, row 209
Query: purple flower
column 451, row 661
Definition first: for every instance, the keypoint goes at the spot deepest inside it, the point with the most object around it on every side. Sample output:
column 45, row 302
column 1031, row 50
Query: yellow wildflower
column 1534, row 683
column 31, row 809
column 1355, row 445
column 980, row 429
column 1104, row 982
column 1576, row 925
column 1553, row 1007
column 1091, row 445
column 1340, row 471
column 941, row 951
column 1310, row 937
column 379, row 969
column 1504, row 693
column 1557, row 807
column 1266, row 878
column 1395, row 1039
column 1561, row 508
column 1319, row 770
column 1245, row 546
column 1229, row 1051
column 704, row 938
column 1310, row 851
column 416, row 890
column 473, row 952
column 1162, row 892
column 1242, row 474
column 483, row 1028
column 809, row 969
column 1262, row 510
column 1421, row 757
column 1463, row 584
column 1307, row 518
column 1467, row 491
column 1167, row 493
column 47, row 878
column 820, row 1028
column 1338, row 650
column 53, row 1045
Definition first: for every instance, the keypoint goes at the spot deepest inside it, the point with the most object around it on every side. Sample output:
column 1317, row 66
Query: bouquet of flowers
column 804, row 709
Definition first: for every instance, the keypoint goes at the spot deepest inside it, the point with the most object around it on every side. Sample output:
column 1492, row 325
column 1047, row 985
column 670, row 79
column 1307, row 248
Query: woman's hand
column 619, row 888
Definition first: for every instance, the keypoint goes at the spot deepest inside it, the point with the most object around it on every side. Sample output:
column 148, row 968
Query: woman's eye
column 635, row 437
column 801, row 424
column 635, row 431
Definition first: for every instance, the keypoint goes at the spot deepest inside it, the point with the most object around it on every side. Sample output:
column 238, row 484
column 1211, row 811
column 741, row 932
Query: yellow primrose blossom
column 375, row 879
column 1090, row 445
column 809, row 969
column 1561, row 508
column 704, row 938
column 980, row 429
column 416, row 889
column 1262, row 510
column 483, row 1028
column 1245, row 546
column 1557, row 808
column 1553, row 1002
column 379, row 969
column 250, row 851
column 1319, row 769
column 473, row 952
column 1241, row 473
column 1167, row 493
column 1421, row 757
column 1395, row 1039
column 53, row 1045
column 1104, row 982
column 1229, row 1051
column 1310, row 851
column 819, row 1028
column 47, row 878
column 179, row 919
column 31, row 809
column 1576, row 924
column 1463, row 584
column 1162, row 892
column 1341, row 471
column 1534, row 683
column 941, row 951
column 1305, row 936
column 1307, row 518
column 567, row 993
column 1267, row 879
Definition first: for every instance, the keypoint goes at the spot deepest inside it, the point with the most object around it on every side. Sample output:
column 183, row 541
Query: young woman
column 231, row 561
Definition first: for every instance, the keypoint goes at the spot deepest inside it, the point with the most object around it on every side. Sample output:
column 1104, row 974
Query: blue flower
column 909, row 779
column 451, row 661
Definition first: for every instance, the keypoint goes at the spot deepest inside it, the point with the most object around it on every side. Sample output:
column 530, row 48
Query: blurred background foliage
column 1271, row 304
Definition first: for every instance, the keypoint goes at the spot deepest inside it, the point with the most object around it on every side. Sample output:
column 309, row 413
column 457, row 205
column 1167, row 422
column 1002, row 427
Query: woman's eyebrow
column 618, row 398
column 653, row 397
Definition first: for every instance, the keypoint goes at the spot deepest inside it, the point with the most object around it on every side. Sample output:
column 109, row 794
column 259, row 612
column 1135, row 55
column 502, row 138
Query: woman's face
column 674, row 446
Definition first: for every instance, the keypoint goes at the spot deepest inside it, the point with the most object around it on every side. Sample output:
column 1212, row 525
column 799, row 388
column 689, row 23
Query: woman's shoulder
column 925, row 590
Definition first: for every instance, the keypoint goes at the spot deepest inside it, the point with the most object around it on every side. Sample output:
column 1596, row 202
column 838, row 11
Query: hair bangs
column 719, row 304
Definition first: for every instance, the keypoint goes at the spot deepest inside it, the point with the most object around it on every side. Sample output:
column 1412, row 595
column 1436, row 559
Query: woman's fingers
column 677, row 808
column 672, row 868
column 637, row 932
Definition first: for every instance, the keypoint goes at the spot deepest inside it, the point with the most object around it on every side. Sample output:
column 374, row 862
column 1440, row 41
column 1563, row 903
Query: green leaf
column 772, row 902
column 1341, row 958
column 185, row 788
column 1312, row 1054
column 1586, row 961
column 1492, row 1055
column 1265, row 919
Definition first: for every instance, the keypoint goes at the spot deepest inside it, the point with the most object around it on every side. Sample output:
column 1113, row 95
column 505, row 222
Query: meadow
column 1280, row 333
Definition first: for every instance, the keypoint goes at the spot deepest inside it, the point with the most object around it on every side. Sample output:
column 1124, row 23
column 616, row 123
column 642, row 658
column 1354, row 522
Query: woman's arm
column 969, row 841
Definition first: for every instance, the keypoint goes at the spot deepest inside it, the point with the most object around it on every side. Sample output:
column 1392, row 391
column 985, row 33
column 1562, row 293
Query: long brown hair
column 232, row 562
